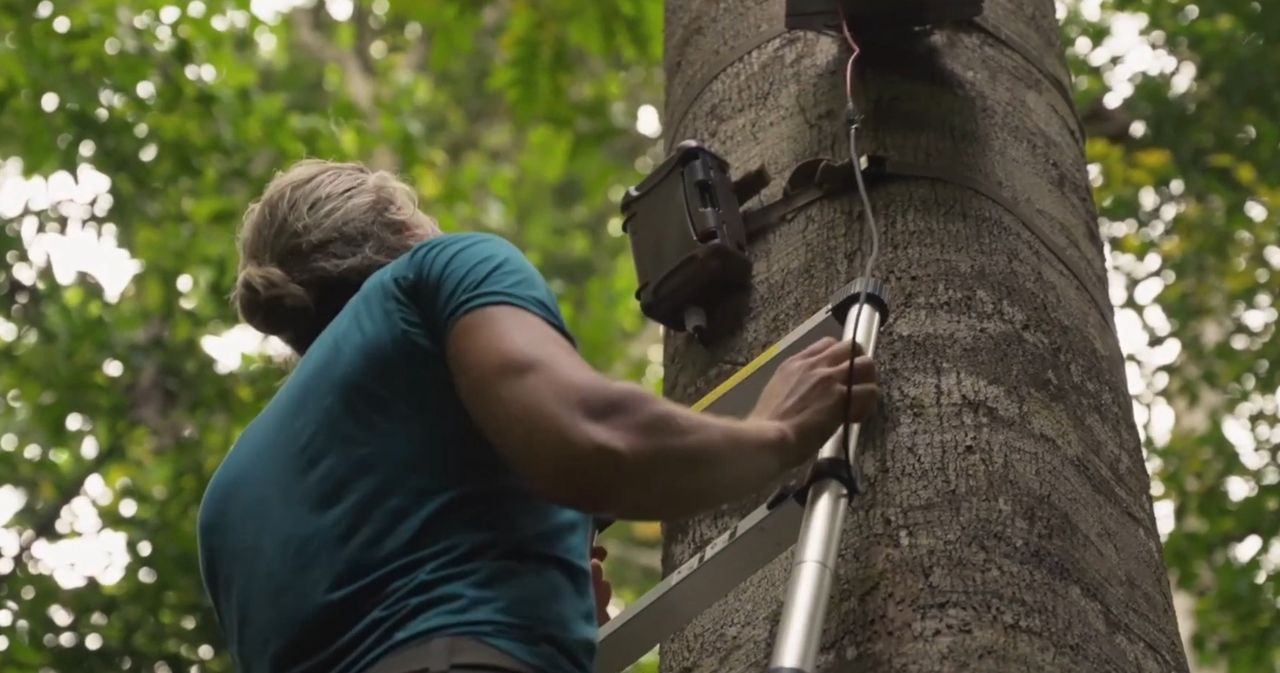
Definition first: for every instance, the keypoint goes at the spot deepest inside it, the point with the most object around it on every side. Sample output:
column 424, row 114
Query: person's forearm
column 672, row 462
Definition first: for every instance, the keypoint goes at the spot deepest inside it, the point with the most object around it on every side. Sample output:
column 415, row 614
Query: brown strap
column 815, row 179
column 810, row 180
column 944, row 173
column 681, row 103
column 1015, row 44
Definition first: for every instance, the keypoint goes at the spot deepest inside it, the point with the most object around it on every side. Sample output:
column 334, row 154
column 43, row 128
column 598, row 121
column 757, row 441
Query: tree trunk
column 1007, row 524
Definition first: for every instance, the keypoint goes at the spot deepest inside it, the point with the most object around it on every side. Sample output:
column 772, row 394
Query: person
column 419, row 493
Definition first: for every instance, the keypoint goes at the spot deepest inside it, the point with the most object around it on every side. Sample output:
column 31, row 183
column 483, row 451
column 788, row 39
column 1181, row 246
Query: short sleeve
column 454, row 274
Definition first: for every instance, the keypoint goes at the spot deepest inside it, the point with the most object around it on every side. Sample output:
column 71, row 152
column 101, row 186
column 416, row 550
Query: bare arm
column 609, row 447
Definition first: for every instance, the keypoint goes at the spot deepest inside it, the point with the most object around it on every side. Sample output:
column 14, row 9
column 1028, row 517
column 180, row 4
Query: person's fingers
column 836, row 373
column 598, row 552
column 837, row 353
column 603, row 591
column 864, row 370
column 816, row 348
column 601, row 585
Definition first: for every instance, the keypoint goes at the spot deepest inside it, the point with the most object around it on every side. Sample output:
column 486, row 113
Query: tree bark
column 1007, row 524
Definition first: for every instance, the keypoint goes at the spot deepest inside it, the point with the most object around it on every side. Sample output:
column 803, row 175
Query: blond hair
column 319, row 230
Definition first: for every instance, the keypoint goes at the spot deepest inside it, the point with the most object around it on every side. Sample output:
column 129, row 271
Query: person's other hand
column 808, row 394
column 600, row 586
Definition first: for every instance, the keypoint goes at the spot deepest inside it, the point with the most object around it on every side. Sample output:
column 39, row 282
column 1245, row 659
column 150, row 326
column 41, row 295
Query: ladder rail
column 700, row 582
column 769, row 530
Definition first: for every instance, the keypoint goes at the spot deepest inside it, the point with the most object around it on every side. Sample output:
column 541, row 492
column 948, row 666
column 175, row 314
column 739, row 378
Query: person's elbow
column 589, row 468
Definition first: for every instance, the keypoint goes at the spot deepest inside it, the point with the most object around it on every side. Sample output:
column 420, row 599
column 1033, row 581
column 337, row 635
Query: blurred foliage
column 513, row 117
column 1180, row 100
column 518, row 117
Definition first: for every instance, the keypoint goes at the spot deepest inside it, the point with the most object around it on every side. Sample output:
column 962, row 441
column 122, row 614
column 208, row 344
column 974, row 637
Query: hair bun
column 271, row 302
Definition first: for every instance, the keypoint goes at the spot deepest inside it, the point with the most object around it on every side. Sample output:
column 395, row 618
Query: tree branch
column 364, row 36
column 1099, row 122
column 416, row 56
column 358, row 80
column 357, row 70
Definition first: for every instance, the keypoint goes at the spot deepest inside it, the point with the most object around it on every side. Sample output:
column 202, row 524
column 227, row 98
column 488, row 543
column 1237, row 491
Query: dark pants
column 448, row 654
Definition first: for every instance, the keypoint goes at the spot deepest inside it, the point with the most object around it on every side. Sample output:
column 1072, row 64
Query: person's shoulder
column 462, row 254
column 451, row 274
column 470, row 242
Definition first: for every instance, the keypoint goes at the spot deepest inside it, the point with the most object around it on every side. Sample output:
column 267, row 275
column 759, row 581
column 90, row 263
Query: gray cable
column 866, row 275
column 866, row 202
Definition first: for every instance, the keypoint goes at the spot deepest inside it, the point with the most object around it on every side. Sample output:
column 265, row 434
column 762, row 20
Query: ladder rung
column 728, row 561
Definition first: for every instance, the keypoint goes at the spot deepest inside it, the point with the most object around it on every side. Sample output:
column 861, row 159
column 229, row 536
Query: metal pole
column 795, row 649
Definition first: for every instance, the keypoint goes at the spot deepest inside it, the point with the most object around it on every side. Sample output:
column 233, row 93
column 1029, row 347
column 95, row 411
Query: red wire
column 848, row 71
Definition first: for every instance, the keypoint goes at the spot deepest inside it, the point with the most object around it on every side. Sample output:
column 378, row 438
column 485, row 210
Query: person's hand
column 600, row 586
column 807, row 396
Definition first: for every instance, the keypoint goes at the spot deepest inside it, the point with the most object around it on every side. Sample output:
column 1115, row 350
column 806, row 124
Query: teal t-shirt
column 362, row 509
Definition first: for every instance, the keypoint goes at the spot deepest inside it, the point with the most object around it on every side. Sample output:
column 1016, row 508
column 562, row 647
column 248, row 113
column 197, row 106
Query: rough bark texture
column 1008, row 525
